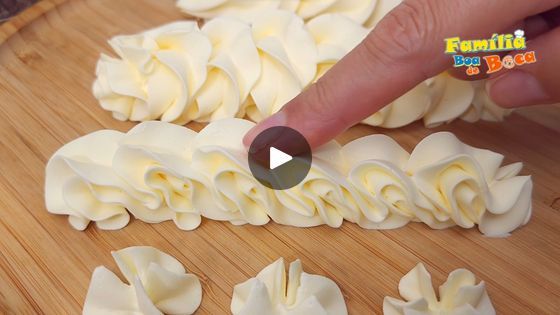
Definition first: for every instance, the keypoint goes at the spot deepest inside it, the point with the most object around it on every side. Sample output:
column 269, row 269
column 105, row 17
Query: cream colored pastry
column 288, row 56
column 357, row 10
column 483, row 107
column 155, row 160
column 157, row 284
column 81, row 183
column 268, row 293
column 243, row 9
column 382, row 8
column 160, row 171
column 378, row 175
column 335, row 35
column 220, row 155
column 465, row 186
column 459, row 295
column 410, row 107
column 439, row 100
column 324, row 196
column 451, row 98
column 232, row 68
column 159, row 72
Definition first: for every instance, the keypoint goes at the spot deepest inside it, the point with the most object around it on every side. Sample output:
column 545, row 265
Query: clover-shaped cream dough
column 271, row 293
column 157, row 284
column 459, row 295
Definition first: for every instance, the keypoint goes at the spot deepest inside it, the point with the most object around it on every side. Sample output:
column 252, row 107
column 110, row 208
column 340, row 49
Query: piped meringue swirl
column 273, row 292
column 458, row 295
column 159, row 72
column 358, row 11
column 234, row 67
column 160, row 171
column 439, row 100
column 158, row 284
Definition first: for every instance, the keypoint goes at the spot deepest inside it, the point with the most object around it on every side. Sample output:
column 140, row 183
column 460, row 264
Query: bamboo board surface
column 47, row 61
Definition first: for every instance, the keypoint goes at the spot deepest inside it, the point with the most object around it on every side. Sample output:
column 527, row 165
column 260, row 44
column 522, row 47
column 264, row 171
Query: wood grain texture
column 47, row 62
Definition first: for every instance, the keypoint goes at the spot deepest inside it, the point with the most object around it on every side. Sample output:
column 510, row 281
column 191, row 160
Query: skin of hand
column 407, row 47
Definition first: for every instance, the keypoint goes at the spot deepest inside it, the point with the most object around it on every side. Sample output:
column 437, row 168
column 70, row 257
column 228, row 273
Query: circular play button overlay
column 279, row 158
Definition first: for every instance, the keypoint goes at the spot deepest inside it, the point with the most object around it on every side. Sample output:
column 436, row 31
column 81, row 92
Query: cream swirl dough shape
column 160, row 171
column 358, row 11
column 232, row 68
column 159, row 72
column 361, row 12
column 459, row 295
column 439, row 100
column 268, row 293
column 158, row 284
column 288, row 58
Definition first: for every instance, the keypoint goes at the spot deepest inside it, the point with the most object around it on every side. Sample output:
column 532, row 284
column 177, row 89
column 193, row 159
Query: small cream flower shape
column 269, row 293
column 459, row 295
column 157, row 74
column 159, row 284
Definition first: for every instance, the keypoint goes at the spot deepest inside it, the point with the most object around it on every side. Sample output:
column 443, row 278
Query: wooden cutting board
column 47, row 61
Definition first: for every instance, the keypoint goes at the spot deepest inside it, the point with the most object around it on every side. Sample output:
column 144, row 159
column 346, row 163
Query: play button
column 279, row 158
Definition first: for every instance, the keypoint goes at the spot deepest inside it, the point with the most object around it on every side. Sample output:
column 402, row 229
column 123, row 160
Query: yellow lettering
column 480, row 45
column 519, row 43
column 451, row 45
column 466, row 46
column 509, row 41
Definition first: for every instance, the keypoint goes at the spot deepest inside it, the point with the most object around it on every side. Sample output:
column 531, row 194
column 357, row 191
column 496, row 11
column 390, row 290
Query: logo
column 497, row 43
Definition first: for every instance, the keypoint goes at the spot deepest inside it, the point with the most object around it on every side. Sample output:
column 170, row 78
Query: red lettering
column 519, row 60
column 530, row 57
column 494, row 63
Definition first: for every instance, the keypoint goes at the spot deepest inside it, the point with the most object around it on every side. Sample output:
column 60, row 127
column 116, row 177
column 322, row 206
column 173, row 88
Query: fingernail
column 515, row 89
column 278, row 119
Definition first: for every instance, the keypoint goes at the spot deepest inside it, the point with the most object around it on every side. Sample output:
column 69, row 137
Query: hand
column 407, row 47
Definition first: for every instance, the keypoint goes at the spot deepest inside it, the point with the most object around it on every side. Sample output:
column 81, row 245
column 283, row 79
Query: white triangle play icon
column 278, row 158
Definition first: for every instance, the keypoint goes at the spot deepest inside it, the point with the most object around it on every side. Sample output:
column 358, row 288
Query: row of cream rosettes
column 231, row 68
column 161, row 171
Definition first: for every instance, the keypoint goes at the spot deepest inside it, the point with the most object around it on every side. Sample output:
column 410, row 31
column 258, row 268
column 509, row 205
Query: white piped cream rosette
column 157, row 75
column 231, row 68
column 361, row 12
column 160, row 171
column 358, row 11
column 272, row 292
column 459, row 295
column 465, row 186
column 288, row 58
column 155, row 159
column 158, row 284
column 219, row 155
column 82, row 184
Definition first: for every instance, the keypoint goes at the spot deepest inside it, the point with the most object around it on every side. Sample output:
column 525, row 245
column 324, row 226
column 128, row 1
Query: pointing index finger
column 405, row 48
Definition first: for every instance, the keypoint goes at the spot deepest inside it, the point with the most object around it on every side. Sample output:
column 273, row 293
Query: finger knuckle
column 329, row 111
column 405, row 31
column 321, row 105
